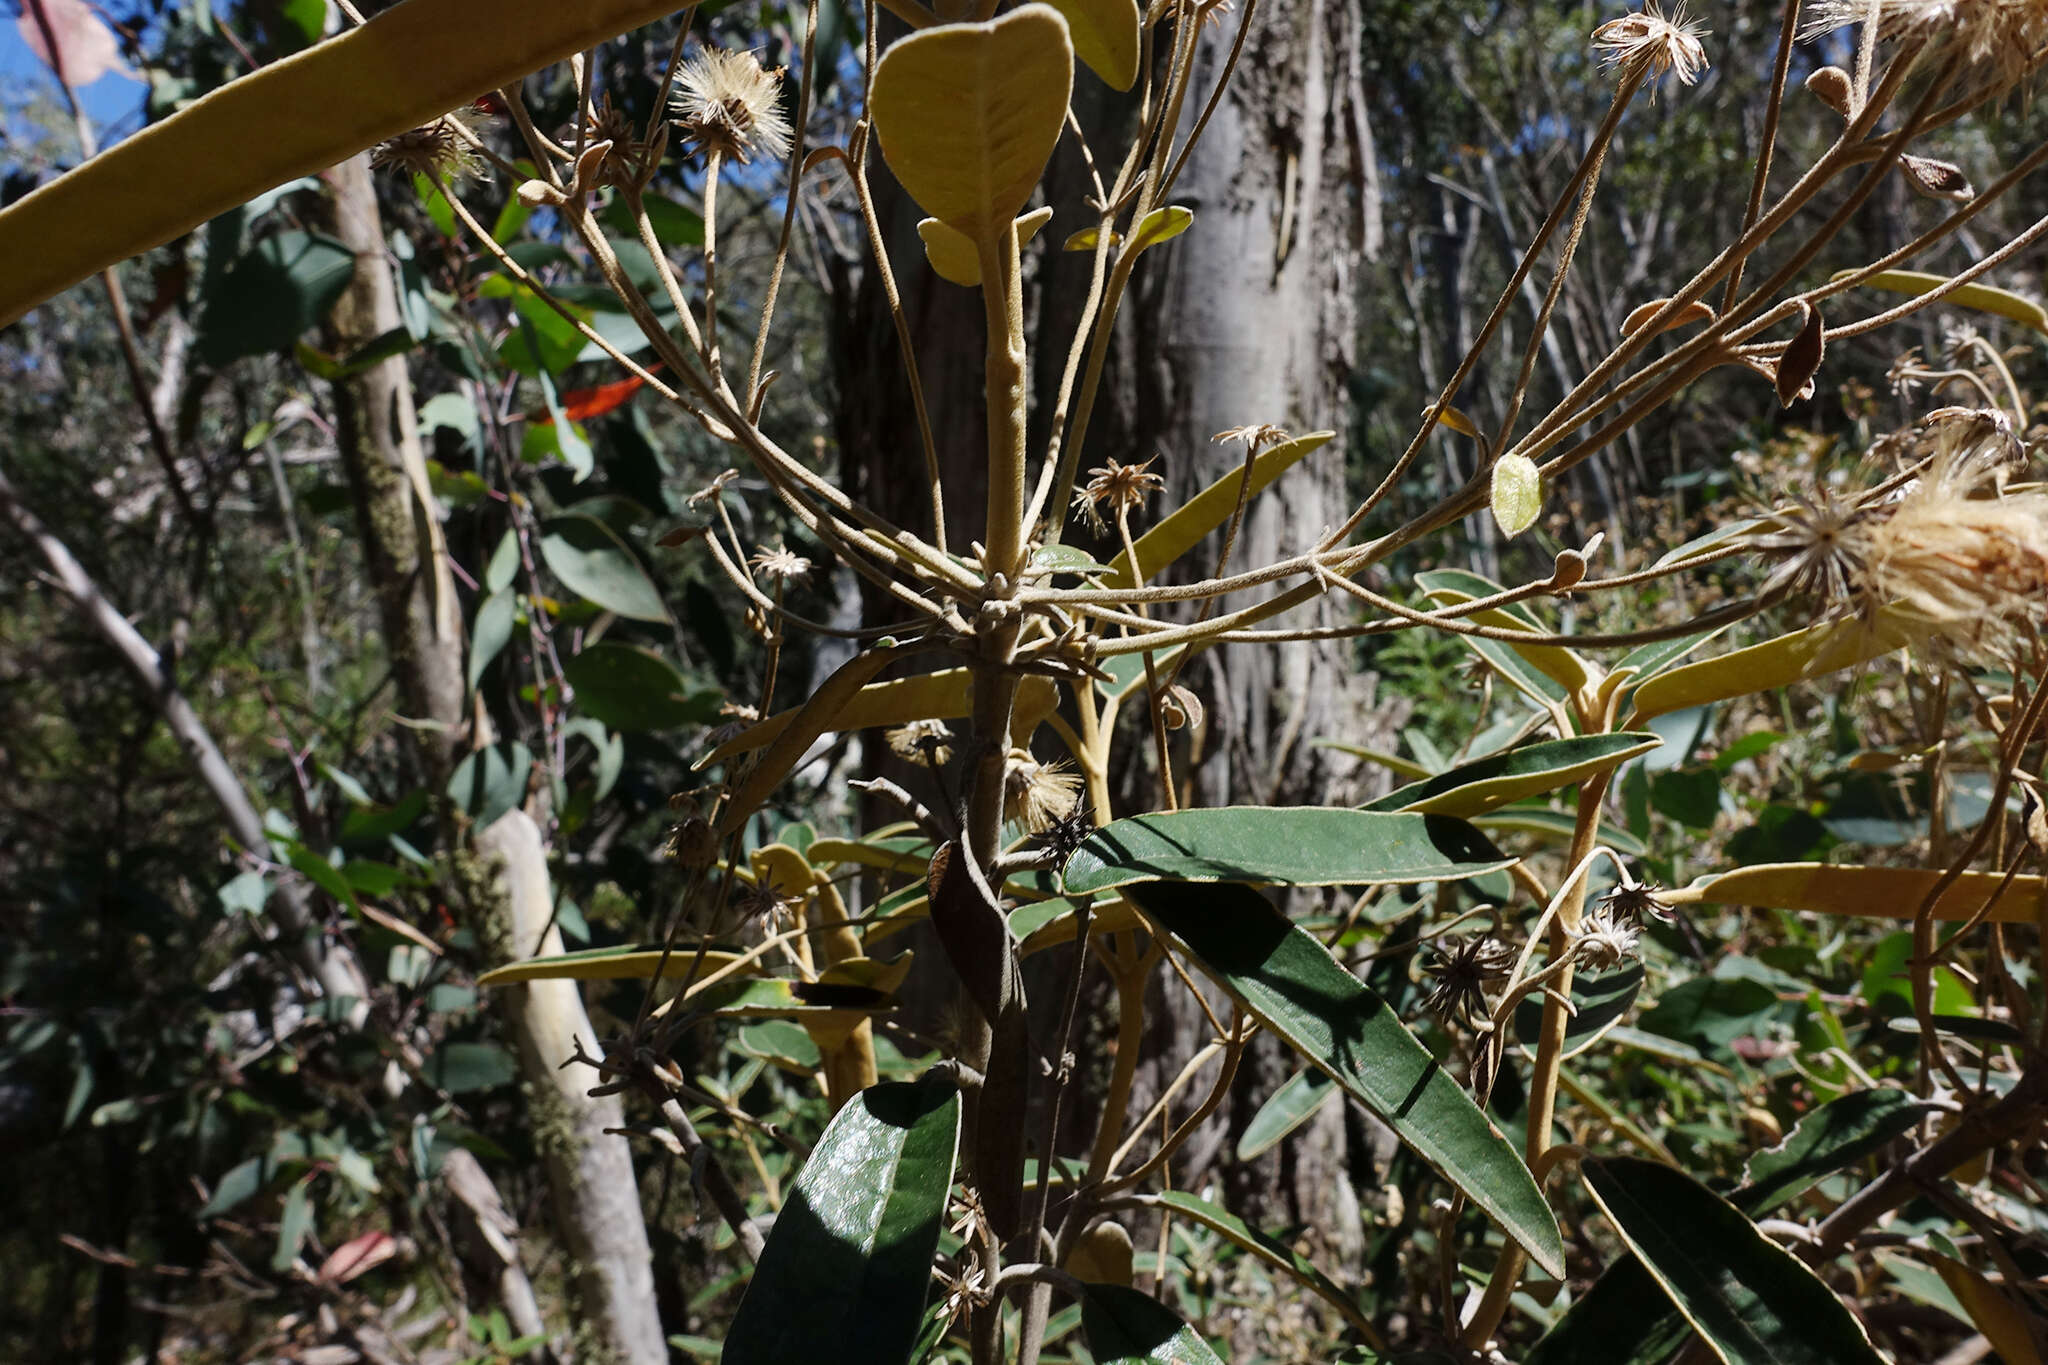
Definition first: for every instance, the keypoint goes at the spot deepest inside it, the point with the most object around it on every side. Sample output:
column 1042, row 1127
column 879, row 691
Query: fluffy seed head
column 781, row 565
column 1120, row 488
column 921, row 741
column 726, row 103
column 437, row 150
column 1605, row 940
column 1036, row 794
column 2001, row 39
column 1647, row 44
column 627, row 160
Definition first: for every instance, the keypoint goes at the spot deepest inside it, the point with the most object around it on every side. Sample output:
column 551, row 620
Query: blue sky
column 114, row 103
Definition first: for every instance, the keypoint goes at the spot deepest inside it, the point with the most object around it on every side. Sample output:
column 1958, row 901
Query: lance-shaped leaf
column 1289, row 981
column 1281, row 845
column 1548, row 673
column 968, row 114
column 1875, row 892
column 1125, row 1327
column 847, row 1267
column 943, row 695
column 623, row 963
column 1982, row 297
column 1610, row 1325
column 1799, row 657
column 1263, row 1246
column 1754, row 1302
column 589, row 557
column 1105, row 36
column 1286, row 1109
column 406, row 66
column 1488, row 783
column 825, row 710
column 1183, row 528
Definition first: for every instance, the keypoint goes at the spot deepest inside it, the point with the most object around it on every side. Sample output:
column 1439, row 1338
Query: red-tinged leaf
column 357, row 1256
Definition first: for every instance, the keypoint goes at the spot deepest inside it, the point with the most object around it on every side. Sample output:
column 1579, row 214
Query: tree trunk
column 1249, row 317
column 590, row 1169
column 596, row 1198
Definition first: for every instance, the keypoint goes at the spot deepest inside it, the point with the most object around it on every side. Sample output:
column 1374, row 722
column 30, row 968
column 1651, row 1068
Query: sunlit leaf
column 408, row 65
column 968, row 114
column 940, row 695
column 1289, row 981
column 1802, row 656
column 1183, row 529
column 847, row 1267
column 1546, row 672
column 1983, row 298
column 1873, row 892
column 1517, row 496
column 952, row 252
column 1281, row 845
column 1105, row 34
column 1484, row 784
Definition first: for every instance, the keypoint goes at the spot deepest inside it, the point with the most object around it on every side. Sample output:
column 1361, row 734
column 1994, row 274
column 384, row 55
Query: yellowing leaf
column 1984, row 298
column 968, row 114
column 1161, row 225
column 1804, row 654
column 1640, row 316
column 291, row 118
column 1872, row 892
column 1180, row 532
column 2002, row 1321
column 952, row 253
column 1105, row 36
column 943, row 695
column 1517, row 494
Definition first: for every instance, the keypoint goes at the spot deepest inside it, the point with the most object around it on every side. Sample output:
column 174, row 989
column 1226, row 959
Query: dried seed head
column 693, row 843
column 2001, row 38
column 781, row 565
column 764, row 901
column 1820, row 541
column 1120, row 488
column 1646, row 44
column 1066, row 835
column 1464, row 968
column 1036, row 794
column 1936, row 179
column 1256, row 435
column 1605, row 940
column 1631, row 902
column 625, row 161
column 437, row 150
column 726, row 103
column 921, row 741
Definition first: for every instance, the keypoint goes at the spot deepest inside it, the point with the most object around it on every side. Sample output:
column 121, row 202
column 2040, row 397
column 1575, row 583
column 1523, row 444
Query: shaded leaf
column 460, row 1068
column 1488, row 783
column 282, row 286
column 1290, row 982
column 845, row 1271
column 629, row 688
column 1547, row 673
column 1125, row 1327
column 1265, row 1247
column 491, row 632
column 1297, row 1101
column 1603, row 1002
column 1801, row 361
column 1754, row 1302
column 593, row 562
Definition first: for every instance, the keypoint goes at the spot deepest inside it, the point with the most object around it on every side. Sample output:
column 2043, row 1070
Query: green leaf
column 237, row 1186
column 1546, row 673
column 1281, row 845
column 1754, row 1302
column 846, row 1269
column 1182, row 529
column 629, row 688
column 464, row 1068
column 1517, row 494
column 1844, row 1130
column 1105, row 34
column 279, row 288
column 1265, row 1247
column 1711, row 1011
column 294, row 1222
column 1125, row 1327
column 491, row 633
column 622, row 962
column 1488, row 783
column 1691, row 796
column 1799, row 657
column 1290, row 982
column 592, row 561
column 321, row 873
column 1286, row 1109
column 491, row 781
column 1603, row 1002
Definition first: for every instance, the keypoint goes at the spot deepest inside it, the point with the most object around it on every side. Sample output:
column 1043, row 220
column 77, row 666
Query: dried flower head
column 921, row 741
column 693, row 843
column 1037, row 793
column 1646, row 44
column 1256, row 435
column 1066, row 835
column 1820, row 540
column 439, row 150
column 1464, row 967
column 1631, row 902
column 781, row 565
column 764, row 901
column 1605, row 940
column 727, row 104
column 2002, row 38
column 627, row 160
column 1121, row 488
